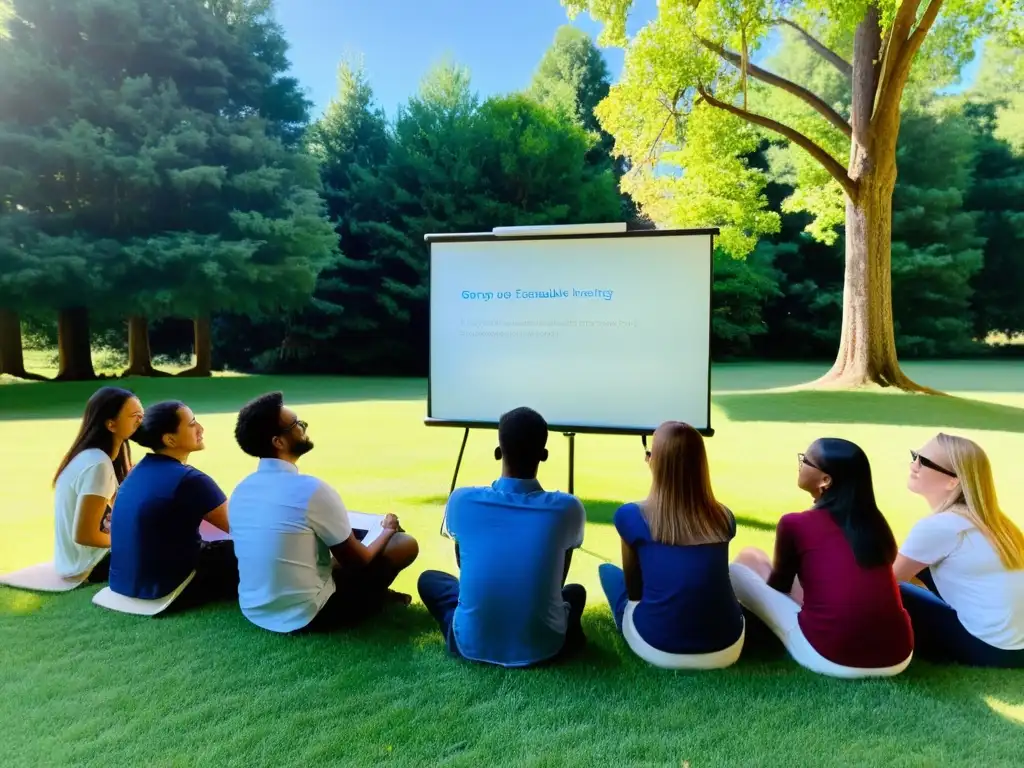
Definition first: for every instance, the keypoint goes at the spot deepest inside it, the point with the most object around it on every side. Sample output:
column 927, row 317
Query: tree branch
column 901, row 59
column 829, row 163
column 787, row 85
column 820, row 48
column 895, row 39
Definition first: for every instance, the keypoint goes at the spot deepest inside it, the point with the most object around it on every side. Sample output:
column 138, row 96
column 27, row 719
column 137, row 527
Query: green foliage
column 936, row 251
column 656, row 111
column 361, row 311
column 146, row 163
column 742, row 287
column 997, row 197
column 572, row 77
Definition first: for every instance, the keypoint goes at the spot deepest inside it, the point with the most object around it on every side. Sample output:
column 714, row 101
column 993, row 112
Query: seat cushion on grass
column 107, row 598
column 42, row 577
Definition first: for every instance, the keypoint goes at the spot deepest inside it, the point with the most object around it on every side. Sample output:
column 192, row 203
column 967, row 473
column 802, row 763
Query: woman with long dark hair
column 672, row 598
column 87, row 479
column 156, row 543
column 830, row 594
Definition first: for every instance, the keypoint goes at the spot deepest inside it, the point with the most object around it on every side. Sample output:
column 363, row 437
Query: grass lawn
column 83, row 686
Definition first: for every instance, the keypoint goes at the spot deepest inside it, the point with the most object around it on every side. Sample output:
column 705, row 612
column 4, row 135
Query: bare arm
column 353, row 551
column 88, row 522
column 219, row 517
column 631, row 569
column 905, row 569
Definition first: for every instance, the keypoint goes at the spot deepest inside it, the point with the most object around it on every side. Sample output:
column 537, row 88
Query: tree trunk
column 140, row 356
column 203, row 349
column 12, row 358
column 73, row 345
column 867, row 345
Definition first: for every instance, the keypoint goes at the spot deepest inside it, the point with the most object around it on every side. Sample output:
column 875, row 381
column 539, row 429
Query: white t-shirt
column 90, row 473
column 283, row 524
column 987, row 598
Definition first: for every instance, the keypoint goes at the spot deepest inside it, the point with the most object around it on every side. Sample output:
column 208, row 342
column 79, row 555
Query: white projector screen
column 599, row 333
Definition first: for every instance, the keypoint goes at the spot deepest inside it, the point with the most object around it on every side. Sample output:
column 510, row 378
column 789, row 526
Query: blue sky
column 500, row 41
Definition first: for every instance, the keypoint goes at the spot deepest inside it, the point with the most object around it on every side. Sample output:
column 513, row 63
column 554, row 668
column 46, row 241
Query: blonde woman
column 672, row 599
column 969, row 555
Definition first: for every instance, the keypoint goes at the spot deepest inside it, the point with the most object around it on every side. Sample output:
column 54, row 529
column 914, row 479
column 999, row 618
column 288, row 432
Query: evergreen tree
column 359, row 317
column 146, row 172
column 572, row 79
column 936, row 251
column 994, row 107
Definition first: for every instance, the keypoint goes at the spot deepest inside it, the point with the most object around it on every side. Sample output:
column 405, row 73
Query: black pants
column 216, row 578
column 358, row 594
column 439, row 592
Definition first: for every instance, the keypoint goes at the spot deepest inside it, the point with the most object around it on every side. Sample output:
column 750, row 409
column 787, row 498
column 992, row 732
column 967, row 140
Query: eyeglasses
column 293, row 425
column 926, row 462
column 802, row 459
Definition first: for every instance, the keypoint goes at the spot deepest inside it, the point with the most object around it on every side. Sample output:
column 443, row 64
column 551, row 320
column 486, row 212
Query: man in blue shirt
column 513, row 544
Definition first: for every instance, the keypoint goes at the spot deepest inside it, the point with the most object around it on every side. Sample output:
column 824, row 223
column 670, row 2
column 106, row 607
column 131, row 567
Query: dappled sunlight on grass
column 1012, row 712
column 897, row 409
column 17, row 602
column 206, row 687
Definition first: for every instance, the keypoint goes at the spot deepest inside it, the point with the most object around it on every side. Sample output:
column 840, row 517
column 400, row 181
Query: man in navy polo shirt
column 155, row 541
column 513, row 544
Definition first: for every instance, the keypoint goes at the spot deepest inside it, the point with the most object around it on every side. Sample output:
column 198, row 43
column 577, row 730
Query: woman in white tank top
column 86, row 482
column 967, row 558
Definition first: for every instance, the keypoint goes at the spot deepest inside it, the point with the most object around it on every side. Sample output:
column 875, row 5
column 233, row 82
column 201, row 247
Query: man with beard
column 301, row 566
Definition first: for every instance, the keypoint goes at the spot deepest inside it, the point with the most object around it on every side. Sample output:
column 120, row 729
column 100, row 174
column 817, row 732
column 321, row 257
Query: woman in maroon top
column 829, row 594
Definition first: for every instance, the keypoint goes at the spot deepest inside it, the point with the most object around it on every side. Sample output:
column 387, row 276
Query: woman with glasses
column 829, row 593
column 672, row 599
column 968, row 555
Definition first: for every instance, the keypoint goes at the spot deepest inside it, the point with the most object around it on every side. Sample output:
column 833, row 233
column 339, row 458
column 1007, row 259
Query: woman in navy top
column 672, row 599
column 160, row 506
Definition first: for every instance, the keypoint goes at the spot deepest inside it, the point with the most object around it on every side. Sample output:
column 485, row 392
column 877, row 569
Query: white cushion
column 107, row 598
column 42, row 578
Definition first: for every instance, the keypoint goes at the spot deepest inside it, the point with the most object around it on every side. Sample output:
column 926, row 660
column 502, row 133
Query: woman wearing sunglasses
column 829, row 593
column 968, row 555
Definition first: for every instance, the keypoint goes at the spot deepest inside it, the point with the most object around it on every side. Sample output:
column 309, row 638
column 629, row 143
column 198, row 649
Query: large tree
column 145, row 150
column 572, row 79
column 686, row 98
column 359, row 317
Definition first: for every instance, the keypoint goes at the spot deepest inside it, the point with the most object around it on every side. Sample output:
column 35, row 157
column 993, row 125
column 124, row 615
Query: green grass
column 86, row 687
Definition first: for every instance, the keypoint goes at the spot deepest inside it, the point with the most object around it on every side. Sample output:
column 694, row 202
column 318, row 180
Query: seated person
column 86, row 483
column 155, row 542
column 301, row 566
column 513, row 544
column 672, row 598
column 970, row 557
column 830, row 594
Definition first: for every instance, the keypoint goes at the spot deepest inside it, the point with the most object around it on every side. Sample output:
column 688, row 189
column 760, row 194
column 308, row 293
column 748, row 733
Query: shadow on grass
column 221, row 394
column 871, row 408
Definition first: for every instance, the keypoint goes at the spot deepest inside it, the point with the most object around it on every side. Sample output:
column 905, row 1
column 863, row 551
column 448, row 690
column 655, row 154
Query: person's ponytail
column 160, row 419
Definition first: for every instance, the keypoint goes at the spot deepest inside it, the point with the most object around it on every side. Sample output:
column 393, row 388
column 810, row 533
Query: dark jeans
column 940, row 637
column 440, row 594
column 216, row 578
column 100, row 574
column 358, row 594
column 613, row 582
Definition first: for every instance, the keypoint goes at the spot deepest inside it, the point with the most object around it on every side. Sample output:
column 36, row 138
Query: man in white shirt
column 301, row 566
